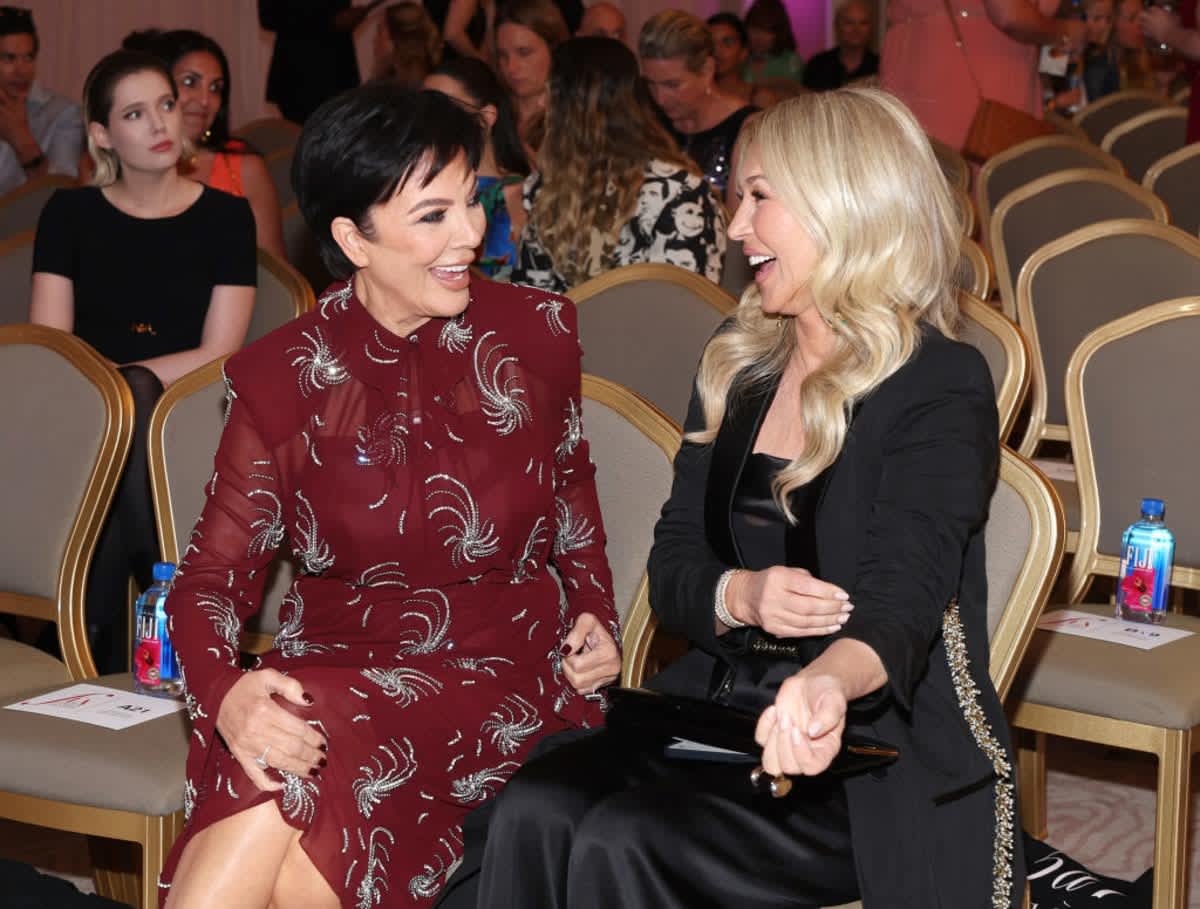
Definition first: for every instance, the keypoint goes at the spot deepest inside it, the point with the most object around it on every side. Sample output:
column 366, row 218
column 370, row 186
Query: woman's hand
column 591, row 658
column 1158, row 24
column 801, row 733
column 787, row 602
column 249, row 720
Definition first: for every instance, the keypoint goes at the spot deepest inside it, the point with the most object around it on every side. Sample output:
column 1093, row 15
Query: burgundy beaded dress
column 424, row 484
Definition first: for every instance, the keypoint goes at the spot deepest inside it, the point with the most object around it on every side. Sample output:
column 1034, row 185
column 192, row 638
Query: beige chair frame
column 952, row 163
column 301, row 291
column 1038, row 430
column 9, row 244
column 1164, row 164
column 720, row 300
column 1089, row 110
column 1174, row 748
column 1007, row 281
column 981, row 266
column 966, row 210
column 36, row 185
column 638, row 630
column 983, row 204
column 1114, row 135
column 1066, row 127
column 1011, row 393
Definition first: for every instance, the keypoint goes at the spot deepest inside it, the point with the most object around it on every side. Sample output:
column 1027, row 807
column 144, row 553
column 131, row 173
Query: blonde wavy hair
column 601, row 133
column 856, row 170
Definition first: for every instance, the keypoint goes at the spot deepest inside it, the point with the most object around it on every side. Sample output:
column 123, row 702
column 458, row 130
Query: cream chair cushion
column 28, row 669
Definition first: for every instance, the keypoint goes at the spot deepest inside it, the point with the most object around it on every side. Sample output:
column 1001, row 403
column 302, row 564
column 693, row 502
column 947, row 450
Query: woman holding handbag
column 944, row 57
column 823, row 551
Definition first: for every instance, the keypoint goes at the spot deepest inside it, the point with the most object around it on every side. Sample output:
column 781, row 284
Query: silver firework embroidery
column 470, row 537
column 189, row 798
column 573, row 531
column 552, row 310
column 513, row 721
column 230, row 394
column 386, row 776
column 427, row 884
column 526, row 564
column 406, row 686
column 572, row 434
column 308, row 548
column 385, row 574
column 387, row 356
column 477, row 786
column 319, row 367
column 224, row 618
column 268, row 526
column 287, row 639
column 502, row 398
column 455, row 335
column 432, row 624
column 383, row 443
column 481, row 665
column 299, row 797
column 374, row 881
column 336, row 300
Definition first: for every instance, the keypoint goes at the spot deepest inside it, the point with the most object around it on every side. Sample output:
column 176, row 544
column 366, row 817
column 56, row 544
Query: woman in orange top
column 201, row 72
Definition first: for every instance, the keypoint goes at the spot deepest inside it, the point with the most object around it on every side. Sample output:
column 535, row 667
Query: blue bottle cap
column 164, row 571
column 1153, row 508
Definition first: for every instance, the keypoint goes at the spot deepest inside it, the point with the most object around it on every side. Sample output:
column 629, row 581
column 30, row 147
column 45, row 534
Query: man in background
column 853, row 58
column 602, row 20
column 40, row 132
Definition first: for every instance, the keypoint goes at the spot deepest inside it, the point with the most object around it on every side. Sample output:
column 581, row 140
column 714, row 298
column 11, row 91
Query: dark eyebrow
column 431, row 203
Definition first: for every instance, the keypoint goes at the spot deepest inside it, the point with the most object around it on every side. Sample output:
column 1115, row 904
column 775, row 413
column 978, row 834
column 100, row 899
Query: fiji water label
column 1145, row 577
column 154, row 657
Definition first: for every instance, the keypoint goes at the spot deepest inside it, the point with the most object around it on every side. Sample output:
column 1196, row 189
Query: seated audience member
column 602, row 20
column 1097, row 67
column 463, row 25
column 503, row 165
column 40, row 133
column 216, row 158
column 611, row 187
column 679, row 66
column 852, row 59
column 423, row 650
column 1180, row 33
column 156, row 272
column 408, row 45
column 830, row 575
column 526, row 33
column 1136, row 69
column 773, row 54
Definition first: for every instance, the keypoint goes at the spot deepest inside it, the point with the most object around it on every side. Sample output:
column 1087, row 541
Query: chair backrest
column 1175, row 178
column 952, row 163
column 736, row 273
column 68, row 420
column 1097, row 118
column 302, row 252
column 1006, row 351
column 282, row 295
column 16, row 278
column 21, row 208
column 1025, row 537
column 966, row 210
column 633, row 446
column 1026, row 161
column 1140, row 141
column 1130, row 388
column 1051, row 207
column 645, row 327
column 974, row 272
column 185, row 429
column 1079, row 282
column 279, row 166
column 270, row 134
column 1065, row 126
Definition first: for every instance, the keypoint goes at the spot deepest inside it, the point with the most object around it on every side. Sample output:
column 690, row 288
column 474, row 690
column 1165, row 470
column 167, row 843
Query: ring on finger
column 261, row 760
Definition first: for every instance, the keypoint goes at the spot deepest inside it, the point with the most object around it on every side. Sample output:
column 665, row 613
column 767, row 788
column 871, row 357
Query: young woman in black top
column 155, row 271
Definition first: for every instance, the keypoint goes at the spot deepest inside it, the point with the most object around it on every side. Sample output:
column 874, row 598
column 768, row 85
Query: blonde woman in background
column 823, row 551
column 612, row 188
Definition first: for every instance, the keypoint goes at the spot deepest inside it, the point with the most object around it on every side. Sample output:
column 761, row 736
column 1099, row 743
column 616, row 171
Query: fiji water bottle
column 1147, row 553
column 155, row 670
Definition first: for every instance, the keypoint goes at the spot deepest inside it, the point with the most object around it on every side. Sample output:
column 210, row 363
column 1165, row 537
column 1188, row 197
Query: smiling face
column 201, row 82
column 523, row 59
column 413, row 261
column 731, row 54
column 675, row 88
column 18, row 65
column 780, row 249
column 145, row 127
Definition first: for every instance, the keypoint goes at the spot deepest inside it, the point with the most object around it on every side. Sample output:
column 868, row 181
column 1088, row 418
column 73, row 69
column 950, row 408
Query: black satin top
column 759, row 524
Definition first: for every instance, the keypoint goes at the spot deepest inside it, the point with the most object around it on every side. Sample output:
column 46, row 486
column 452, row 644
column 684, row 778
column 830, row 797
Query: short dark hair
column 771, row 16
column 733, row 22
column 359, row 149
column 17, row 20
column 480, row 82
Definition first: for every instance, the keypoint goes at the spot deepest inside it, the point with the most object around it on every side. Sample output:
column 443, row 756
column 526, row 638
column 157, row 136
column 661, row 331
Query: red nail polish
column 323, row 747
column 565, row 650
column 308, row 699
column 315, row 773
column 321, row 763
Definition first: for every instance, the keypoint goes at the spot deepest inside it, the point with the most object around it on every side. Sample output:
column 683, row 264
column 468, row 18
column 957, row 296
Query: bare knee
column 300, row 884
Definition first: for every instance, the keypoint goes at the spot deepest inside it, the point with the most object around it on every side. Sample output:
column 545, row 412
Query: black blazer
column 900, row 527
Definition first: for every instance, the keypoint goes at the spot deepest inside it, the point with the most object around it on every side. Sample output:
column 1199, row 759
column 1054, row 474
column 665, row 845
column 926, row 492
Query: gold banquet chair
column 974, row 272
column 279, row 166
column 1051, row 207
column 645, row 326
column 1097, row 118
column 282, row 295
column 1140, row 141
column 1004, row 347
column 1175, row 178
column 16, row 278
column 1105, row 693
column 270, row 134
column 75, row 415
column 954, row 166
column 1024, row 551
column 20, row 208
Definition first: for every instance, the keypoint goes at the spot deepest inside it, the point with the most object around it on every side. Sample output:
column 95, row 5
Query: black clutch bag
column 664, row 718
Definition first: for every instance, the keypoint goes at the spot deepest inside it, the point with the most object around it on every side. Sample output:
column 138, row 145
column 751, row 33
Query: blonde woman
column 823, row 550
column 155, row 271
column 612, row 188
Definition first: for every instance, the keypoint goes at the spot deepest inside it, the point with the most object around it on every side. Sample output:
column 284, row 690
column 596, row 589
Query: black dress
column 599, row 822
column 712, row 148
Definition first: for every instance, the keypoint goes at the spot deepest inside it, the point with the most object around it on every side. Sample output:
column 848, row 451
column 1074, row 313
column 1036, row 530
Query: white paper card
column 1053, row 60
column 1113, row 630
column 1063, row 471
column 99, row 706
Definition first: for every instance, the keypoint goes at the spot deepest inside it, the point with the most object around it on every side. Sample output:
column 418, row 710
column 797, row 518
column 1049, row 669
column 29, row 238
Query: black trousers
column 600, row 822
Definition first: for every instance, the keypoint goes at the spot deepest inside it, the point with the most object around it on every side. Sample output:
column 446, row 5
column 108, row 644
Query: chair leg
column 113, row 869
column 1171, row 821
column 1031, row 780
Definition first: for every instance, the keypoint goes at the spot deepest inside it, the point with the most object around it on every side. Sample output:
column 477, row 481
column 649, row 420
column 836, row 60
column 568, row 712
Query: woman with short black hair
column 418, row 438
